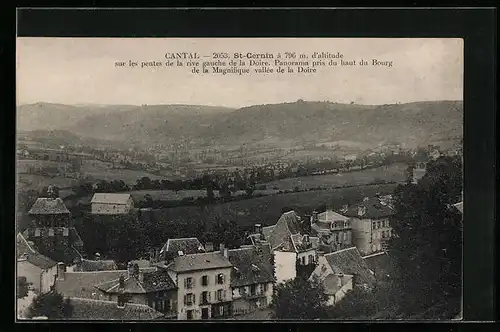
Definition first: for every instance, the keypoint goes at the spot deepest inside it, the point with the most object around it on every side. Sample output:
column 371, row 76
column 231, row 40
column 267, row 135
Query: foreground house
column 39, row 270
column 370, row 224
column 252, row 278
column 204, row 284
column 346, row 262
column 334, row 230
column 111, row 203
column 132, row 286
column 291, row 245
column 155, row 289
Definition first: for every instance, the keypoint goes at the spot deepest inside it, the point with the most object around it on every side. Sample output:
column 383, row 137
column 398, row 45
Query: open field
column 267, row 209
column 22, row 165
column 171, row 195
column 127, row 175
column 37, row 182
column 392, row 173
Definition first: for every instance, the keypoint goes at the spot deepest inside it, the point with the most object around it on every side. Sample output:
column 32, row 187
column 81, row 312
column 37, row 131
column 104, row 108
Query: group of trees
column 128, row 237
column 426, row 251
column 51, row 305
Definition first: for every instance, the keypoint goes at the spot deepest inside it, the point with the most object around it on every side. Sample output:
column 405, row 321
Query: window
column 311, row 259
column 189, row 314
column 204, row 281
column 378, row 224
column 303, row 260
column 220, row 295
column 264, row 286
column 188, row 283
column 205, row 297
column 374, row 225
column 121, row 300
column 220, row 279
column 252, row 290
column 37, row 231
column 189, row 299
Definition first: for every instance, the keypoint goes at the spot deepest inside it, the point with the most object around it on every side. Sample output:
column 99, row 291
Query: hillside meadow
column 391, row 173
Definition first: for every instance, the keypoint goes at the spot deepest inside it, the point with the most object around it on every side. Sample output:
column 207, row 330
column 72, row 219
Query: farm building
column 111, row 204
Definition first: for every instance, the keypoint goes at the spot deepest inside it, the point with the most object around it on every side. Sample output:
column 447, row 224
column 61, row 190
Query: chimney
column 221, row 247
column 361, row 210
column 61, row 270
column 141, row 276
column 226, row 252
column 121, row 282
column 209, row 247
column 130, row 269
column 315, row 216
column 258, row 229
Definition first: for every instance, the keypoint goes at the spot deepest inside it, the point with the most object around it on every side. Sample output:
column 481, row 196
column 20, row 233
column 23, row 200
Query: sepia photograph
column 249, row 179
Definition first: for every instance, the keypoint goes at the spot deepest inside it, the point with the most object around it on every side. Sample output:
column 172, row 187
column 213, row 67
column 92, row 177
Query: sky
column 82, row 71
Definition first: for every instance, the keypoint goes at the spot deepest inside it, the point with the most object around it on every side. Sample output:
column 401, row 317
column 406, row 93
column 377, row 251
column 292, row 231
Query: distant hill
column 301, row 122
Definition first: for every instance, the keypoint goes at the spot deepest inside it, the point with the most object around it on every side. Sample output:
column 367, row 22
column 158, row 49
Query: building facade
column 111, row 204
column 333, row 229
column 204, row 285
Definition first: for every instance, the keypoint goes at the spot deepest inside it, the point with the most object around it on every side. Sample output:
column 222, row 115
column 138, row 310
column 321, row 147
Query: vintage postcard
column 239, row 179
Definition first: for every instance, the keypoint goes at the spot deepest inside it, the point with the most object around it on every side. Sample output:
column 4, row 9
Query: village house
column 334, row 230
column 292, row 245
column 204, row 284
column 52, row 230
column 39, row 270
column 111, row 203
column 149, row 287
column 252, row 278
column 370, row 224
column 342, row 271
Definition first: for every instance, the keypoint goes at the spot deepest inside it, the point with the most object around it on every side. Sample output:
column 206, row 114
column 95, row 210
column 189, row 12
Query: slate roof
column 90, row 309
column 152, row 282
column 188, row 246
column 331, row 283
column 87, row 265
column 242, row 259
column 329, row 216
column 45, row 205
column 110, row 198
column 39, row 260
column 375, row 209
column 349, row 261
column 266, row 231
column 202, row 261
column 288, row 224
column 81, row 284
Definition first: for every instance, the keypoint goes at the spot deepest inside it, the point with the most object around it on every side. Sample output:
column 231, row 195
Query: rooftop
column 151, row 282
column 22, row 246
column 81, row 284
column 38, row 260
column 87, row 265
column 374, row 208
column 331, row 283
column 330, row 216
column 459, row 206
column 242, row 260
column 349, row 261
column 90, row 309
column 202, row 261
column 288, row 224
column 45, row 205
column 188, row 246
column 109, row 198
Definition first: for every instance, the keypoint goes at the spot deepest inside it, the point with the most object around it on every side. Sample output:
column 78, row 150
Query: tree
column 250, row 189
column 51, row 305
column 299, row 299
column 427, row 245
column 209, row 186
